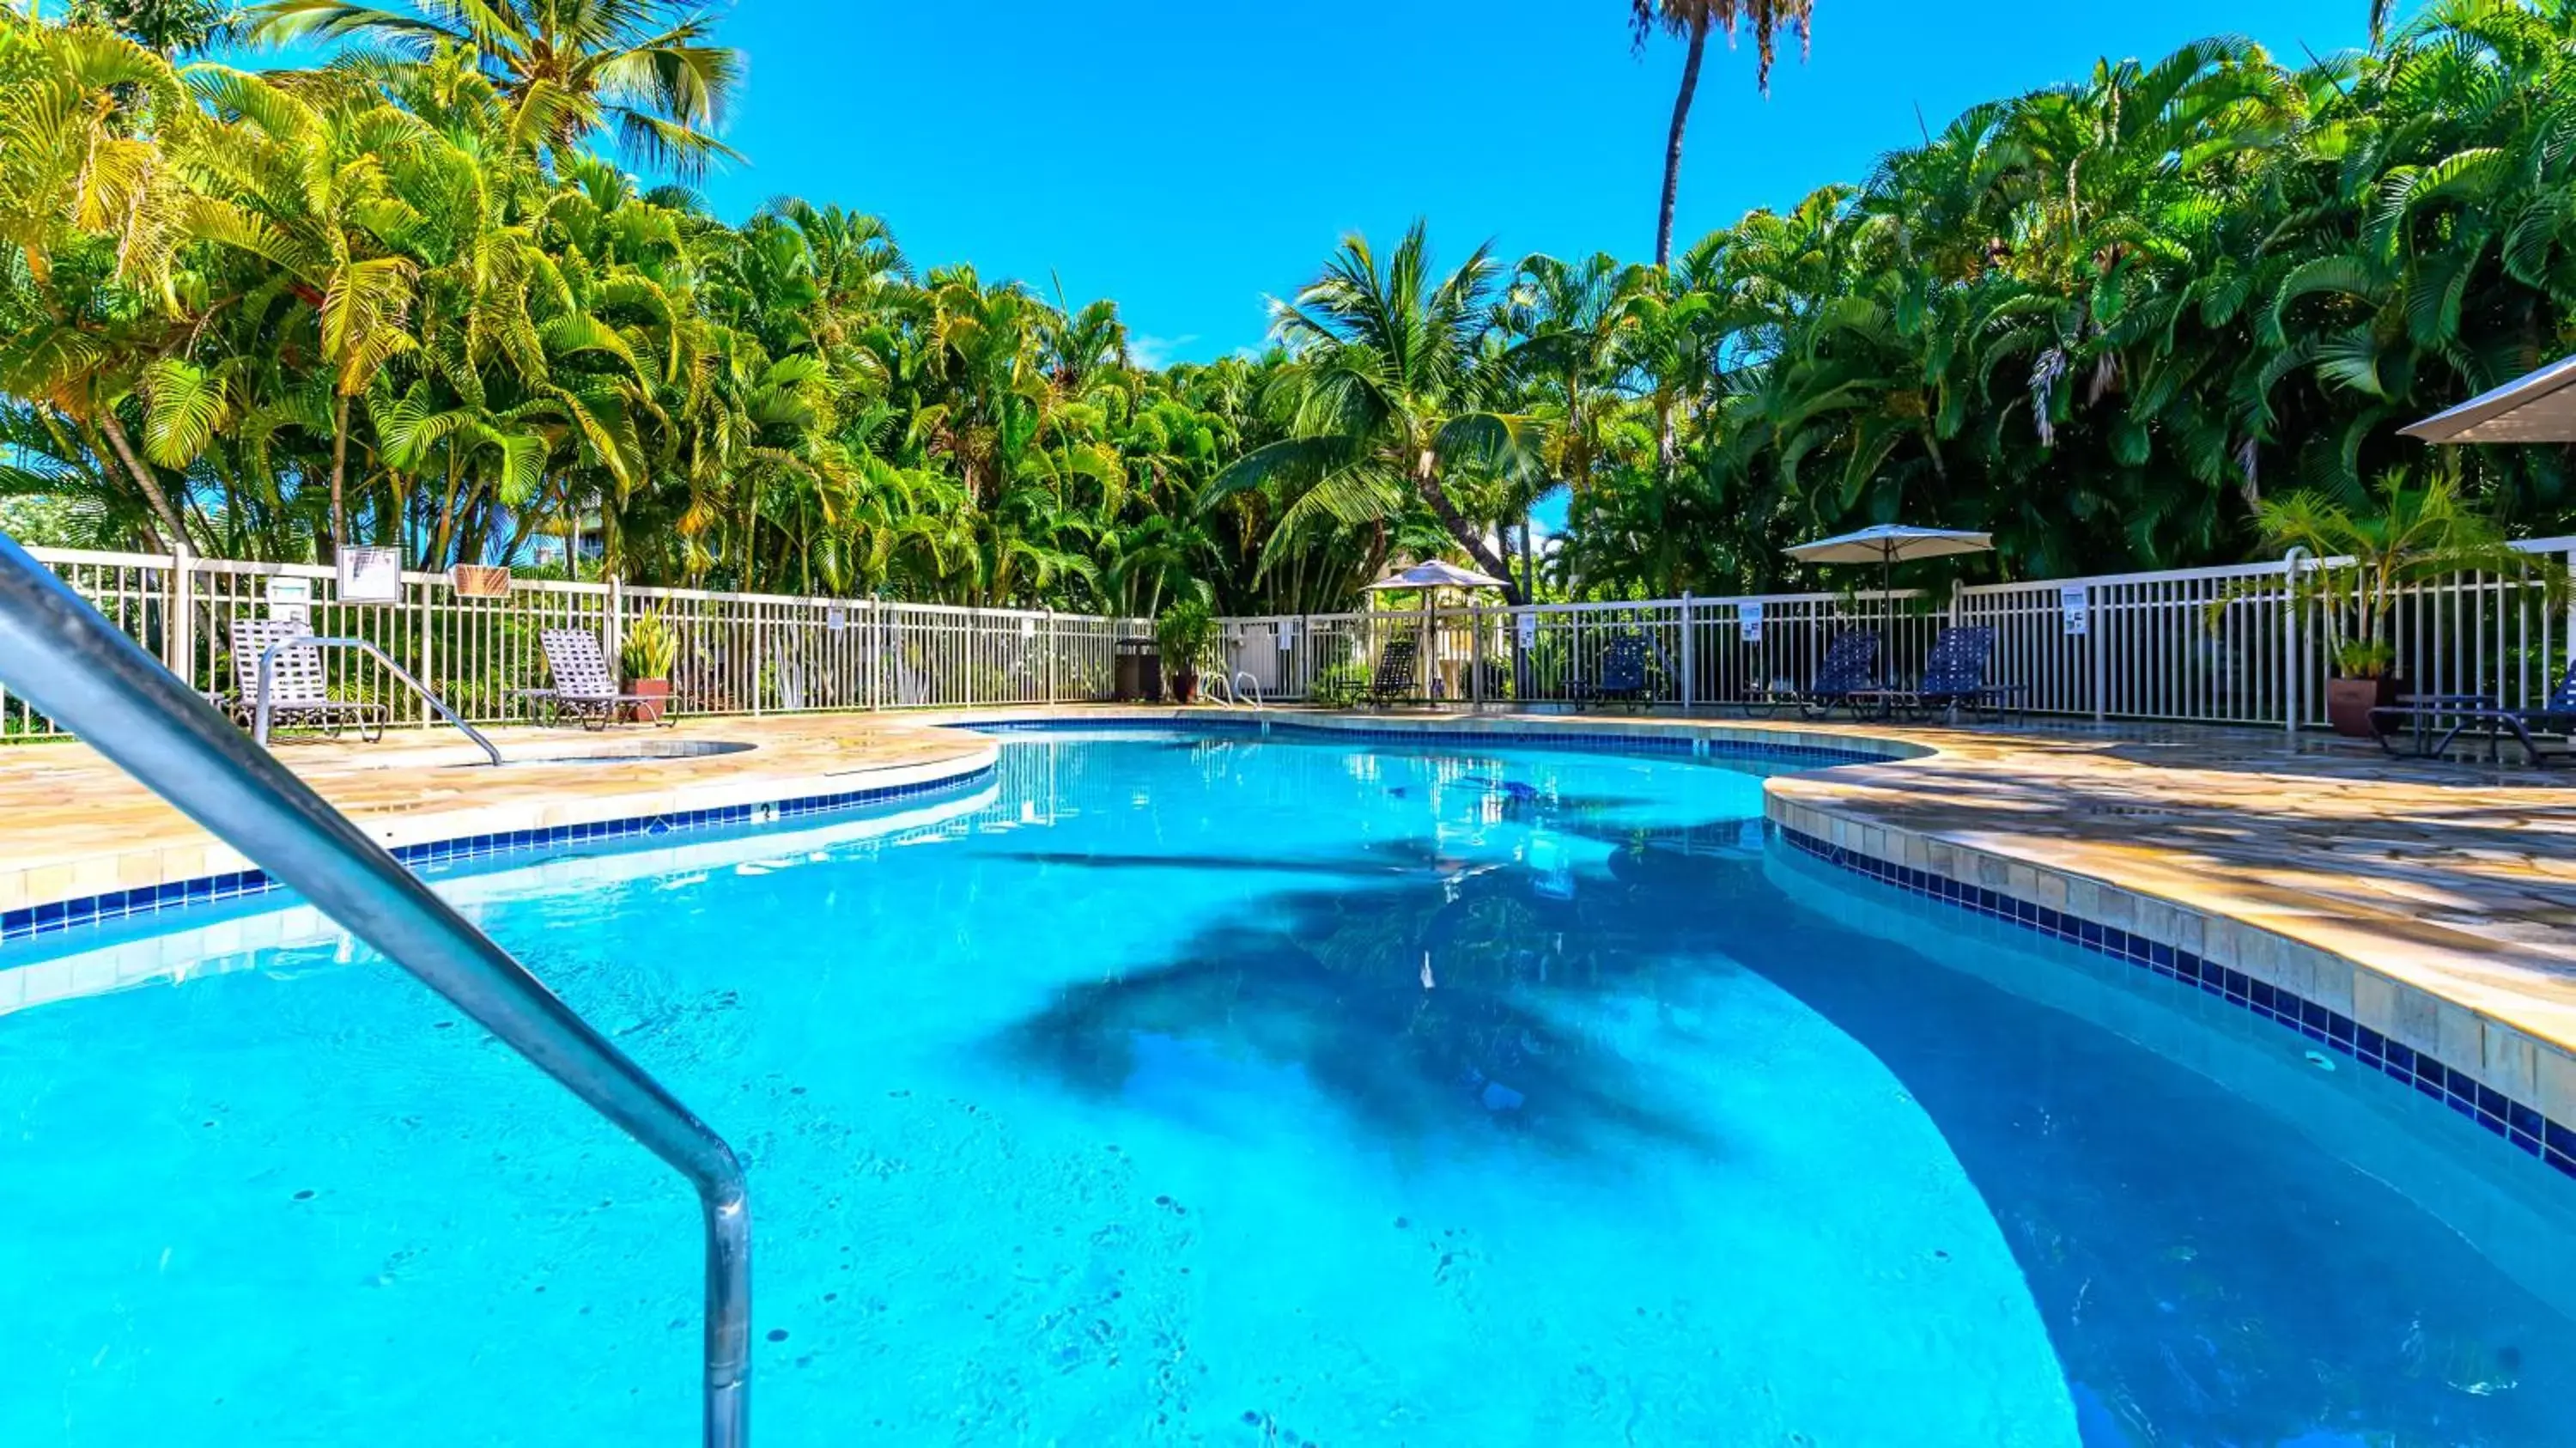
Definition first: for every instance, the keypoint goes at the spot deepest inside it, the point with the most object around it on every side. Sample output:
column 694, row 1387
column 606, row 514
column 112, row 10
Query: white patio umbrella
column 1435, row 574
column 2537, row 407
column 1431, row 577
column 1887, row 545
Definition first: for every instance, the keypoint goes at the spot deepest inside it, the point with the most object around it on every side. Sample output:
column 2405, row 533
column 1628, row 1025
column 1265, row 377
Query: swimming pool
column 1230, row 1090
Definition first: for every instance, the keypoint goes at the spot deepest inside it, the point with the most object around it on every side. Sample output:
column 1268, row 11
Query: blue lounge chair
column 1847, row 679
column 1954, row 674
column 2481, row 712
column 1623, row 674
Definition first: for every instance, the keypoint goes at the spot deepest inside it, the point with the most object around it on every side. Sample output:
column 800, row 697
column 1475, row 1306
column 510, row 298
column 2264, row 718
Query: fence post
column 2293, row 645
column 2553, row 668
column 875, row 665
column 1476, row 661
column 428, row 665
column 2101, row 657
column 612, row 620
column 1690, row 655
column 179, row 640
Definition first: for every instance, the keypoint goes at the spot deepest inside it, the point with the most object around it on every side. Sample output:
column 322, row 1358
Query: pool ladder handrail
column 1232, row 697
column 66, row 659
column 267, row 683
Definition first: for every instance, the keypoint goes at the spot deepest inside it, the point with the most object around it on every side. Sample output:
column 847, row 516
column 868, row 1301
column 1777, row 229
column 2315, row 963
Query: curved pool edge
column 741, row 790
column 2515, row 1082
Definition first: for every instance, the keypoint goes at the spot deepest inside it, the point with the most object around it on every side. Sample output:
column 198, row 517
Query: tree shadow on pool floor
column 1332, row 983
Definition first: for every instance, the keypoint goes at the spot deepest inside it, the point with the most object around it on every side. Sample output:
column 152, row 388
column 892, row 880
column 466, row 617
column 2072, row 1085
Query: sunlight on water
column 1235, row 1092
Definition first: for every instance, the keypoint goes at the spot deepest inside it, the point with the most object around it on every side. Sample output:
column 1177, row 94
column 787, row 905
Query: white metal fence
column 2233, row 645
column 737, row 653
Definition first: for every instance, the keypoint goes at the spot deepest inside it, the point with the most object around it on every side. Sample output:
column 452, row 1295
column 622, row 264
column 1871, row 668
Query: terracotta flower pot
column 652, row 695
column 2349, row 702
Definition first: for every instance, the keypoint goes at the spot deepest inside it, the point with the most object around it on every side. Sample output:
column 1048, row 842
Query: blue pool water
column 1244, row 1092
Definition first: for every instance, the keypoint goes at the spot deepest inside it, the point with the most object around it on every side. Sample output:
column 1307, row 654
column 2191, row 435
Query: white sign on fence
column 1748, row 618
column 290, row 600
column 1528, row 624
column 1287, row 634
column 835, row 617
column 2074, row 600
column 370, row 575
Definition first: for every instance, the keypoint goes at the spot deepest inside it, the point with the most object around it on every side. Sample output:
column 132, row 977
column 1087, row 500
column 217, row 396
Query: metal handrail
column 1226, row 691
column 268, row 669
column 71, row 663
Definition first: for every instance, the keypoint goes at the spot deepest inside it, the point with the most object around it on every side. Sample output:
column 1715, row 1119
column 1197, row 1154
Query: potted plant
column 1183, row 636
column 644, row 659
column 2362, row 558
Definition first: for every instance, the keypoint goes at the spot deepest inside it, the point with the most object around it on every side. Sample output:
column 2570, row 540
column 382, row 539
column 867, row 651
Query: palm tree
column 168, row 26
column 1393, row 396
column 94, row 214
column 308, row 185
column 643, row 68
column 1691, row 21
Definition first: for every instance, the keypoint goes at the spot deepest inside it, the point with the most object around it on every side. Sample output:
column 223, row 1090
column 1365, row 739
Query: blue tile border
column 2517, row 1122
column 115, row 905
column 1590, row 741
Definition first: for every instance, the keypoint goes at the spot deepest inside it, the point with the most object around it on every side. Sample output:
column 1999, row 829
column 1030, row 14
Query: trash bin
column 1136, row 672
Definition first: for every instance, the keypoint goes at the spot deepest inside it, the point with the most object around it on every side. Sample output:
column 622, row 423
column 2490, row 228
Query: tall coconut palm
column 1690, row 21
column 93, row 214
column 308, row 187
column 644, row 69
column 1393, row 397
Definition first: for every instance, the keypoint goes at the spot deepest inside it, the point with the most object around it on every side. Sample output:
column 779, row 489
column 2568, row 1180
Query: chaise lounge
column 299, row 691
column 2423, row 717
column 583, row 687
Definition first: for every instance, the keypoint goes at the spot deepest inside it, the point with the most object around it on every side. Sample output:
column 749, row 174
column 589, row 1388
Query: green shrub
column 1340, row 686
column 650, row 648
column 1185, row 634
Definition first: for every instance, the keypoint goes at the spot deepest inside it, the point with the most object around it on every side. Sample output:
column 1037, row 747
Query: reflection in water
column 2207, row 1275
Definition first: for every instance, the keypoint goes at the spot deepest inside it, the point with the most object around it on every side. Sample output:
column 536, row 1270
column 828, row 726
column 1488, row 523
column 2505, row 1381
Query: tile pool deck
column 2433, row 904
column 74, row 827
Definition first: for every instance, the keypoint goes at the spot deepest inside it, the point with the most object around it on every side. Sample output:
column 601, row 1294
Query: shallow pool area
column 1181, row 1088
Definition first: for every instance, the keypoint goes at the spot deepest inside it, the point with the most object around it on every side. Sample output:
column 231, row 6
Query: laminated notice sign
column 370, row 575
column 2076, row 602
column 1748, row 619
column 290, row 600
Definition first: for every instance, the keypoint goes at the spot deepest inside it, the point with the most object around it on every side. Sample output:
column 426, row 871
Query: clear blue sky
column 1187, row 160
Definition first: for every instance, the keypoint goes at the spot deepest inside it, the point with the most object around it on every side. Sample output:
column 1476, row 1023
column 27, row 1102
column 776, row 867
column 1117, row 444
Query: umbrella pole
column 1886, row 612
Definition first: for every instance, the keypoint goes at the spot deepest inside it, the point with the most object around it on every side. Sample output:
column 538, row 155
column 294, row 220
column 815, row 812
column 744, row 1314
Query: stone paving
column 76, row 825
column 2460, row 878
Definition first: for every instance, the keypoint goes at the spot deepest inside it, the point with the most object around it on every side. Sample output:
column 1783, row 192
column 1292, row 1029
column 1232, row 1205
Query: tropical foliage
column 2405, row 535
column 417, row 297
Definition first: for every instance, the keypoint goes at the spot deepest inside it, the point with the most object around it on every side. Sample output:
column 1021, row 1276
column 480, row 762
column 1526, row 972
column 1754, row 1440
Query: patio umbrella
column 1435, row 574
column 1430, row 578
column 1887, row 545
column 2538, row 407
